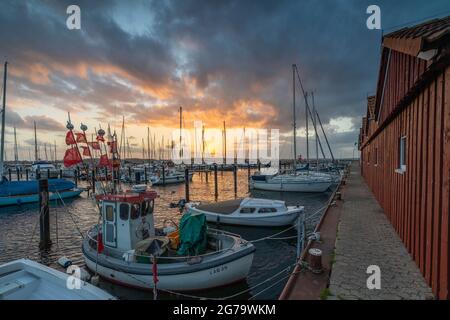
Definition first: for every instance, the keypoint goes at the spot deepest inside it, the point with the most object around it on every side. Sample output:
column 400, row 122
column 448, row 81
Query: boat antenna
column 2, row 144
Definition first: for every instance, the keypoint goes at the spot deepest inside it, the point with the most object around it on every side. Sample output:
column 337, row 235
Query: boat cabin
column 127, row 218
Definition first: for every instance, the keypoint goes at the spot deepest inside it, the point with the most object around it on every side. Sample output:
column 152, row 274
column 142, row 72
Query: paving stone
column 365, row 237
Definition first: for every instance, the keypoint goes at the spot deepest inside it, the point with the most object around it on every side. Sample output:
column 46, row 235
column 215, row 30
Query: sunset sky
column 220, row 60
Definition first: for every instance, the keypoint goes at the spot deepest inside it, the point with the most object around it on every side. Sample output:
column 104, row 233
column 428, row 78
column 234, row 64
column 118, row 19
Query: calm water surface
column 19, row 233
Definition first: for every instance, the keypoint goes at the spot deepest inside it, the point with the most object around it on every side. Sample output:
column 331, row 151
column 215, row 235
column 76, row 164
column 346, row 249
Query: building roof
column 421, row 37
column 371, row 107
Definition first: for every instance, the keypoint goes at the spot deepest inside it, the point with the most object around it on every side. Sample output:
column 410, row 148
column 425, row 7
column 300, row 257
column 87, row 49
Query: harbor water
column 19, row 234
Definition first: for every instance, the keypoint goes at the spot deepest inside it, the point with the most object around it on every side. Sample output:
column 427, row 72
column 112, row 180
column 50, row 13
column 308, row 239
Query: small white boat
column 24, row 279
column 170, row 177
column 46, row 170
column 249, row 212
column 139, row 188
column 127, row 224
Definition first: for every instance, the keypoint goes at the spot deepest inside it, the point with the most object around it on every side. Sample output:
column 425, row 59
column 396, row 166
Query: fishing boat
column 22, row 192
column 127, row 249
column 248, row 212
column 24, row 279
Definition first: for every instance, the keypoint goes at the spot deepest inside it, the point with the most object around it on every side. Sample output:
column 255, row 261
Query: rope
column 70, row 215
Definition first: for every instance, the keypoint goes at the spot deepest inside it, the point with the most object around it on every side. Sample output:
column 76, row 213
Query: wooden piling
column 216, row 192
column 26, row 174
column 18, row 174
column 235, row 179
column 93, row 180
column 44, row 217
column 9, row 174
column 186, row 184
column 164, row 175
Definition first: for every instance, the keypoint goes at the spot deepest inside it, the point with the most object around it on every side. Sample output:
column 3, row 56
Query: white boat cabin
column 127, row 219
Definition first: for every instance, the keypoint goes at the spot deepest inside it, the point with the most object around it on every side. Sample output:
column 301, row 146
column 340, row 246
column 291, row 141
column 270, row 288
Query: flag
column 70, row 138
column 100, row 246
column 72, row 157
column 104, row 161
column 95, row 145
column 100, row 138
column 81, row 138
column 112, row 146
column 86, row 151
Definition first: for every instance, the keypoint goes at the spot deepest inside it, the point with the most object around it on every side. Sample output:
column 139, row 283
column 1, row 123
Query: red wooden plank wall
column 417, row 201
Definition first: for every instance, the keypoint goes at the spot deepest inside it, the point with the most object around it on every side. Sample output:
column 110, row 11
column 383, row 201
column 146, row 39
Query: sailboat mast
column 16, row 151
column 316, row 133
column 224, row 143
column 35, row 143
column 203, row 144
column 148, row 143
column 181, row 127
column 2, row 144
column 293, row 112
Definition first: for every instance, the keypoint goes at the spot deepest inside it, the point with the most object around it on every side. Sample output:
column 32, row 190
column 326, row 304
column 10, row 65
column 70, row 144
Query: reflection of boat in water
column 248, row 212
column 132, row 252
column 28, row 280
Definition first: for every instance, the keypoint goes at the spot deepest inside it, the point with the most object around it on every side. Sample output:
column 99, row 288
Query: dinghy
column 248, row 212
column 24, row 279
column 296, row 182
column 127, row 249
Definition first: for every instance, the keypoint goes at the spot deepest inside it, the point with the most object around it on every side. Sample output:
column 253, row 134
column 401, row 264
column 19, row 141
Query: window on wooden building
column 401, row 154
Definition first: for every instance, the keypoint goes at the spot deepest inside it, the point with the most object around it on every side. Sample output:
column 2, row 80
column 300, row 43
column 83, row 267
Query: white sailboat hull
column 292, row 186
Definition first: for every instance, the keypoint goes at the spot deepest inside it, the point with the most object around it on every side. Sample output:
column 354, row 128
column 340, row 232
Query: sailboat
column 20, row 192
column 296, row 181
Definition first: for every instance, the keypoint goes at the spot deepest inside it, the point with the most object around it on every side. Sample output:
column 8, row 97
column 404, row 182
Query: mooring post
column 216, row 192
column 9, row 174
column 38, row 174
column 164, row 175
column 48, row 173
column 60, row 173
column 44, row 217
column 26, row 173
column 75, row 177
column 207, row 173
column 18, row 174
column 129, row 172
column 186, row 184
column 93, row 180
column 259, row 166
column 235, row 179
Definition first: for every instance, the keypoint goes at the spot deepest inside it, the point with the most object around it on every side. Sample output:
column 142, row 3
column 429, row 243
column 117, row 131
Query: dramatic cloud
column 221, row 60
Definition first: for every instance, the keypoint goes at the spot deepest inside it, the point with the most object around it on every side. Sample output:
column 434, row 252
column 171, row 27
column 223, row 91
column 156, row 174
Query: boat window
column 247, row 210
column 135, row 211
column 151, row 206
column 109, row 213
column 267, row 210
column 144, row 207
column 124, row 211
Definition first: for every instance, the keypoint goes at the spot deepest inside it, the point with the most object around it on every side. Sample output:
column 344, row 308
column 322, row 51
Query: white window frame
column 402, row 155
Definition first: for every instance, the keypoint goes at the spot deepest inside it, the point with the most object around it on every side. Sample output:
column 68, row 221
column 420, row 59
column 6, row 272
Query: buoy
column 64, row 262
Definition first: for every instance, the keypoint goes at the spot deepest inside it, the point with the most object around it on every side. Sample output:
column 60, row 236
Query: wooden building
column 405, row 144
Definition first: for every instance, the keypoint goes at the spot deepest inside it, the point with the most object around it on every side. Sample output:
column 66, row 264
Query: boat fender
column 64, row 262
column 95, row 280
column 84, row 275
